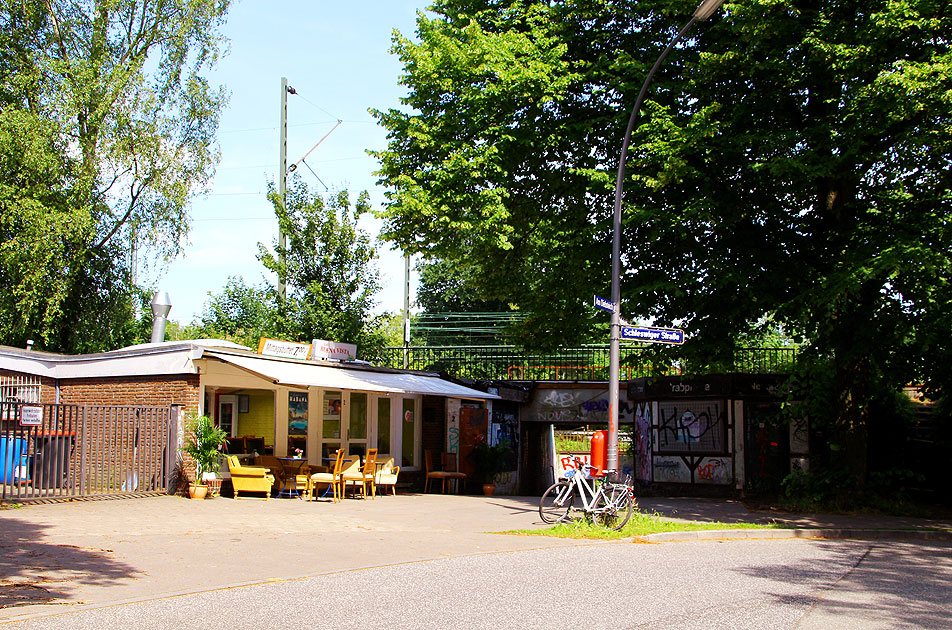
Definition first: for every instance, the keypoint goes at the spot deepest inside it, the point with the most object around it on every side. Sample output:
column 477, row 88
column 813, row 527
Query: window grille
column 24, row 388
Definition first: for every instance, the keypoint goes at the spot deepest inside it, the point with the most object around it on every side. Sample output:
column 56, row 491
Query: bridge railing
column 588, row 363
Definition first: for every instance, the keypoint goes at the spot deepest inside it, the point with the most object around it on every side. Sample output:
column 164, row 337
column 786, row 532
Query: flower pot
column 197, row 491
column 489, row 489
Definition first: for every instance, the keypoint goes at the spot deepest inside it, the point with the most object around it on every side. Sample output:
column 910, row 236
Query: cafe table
column 292, row 468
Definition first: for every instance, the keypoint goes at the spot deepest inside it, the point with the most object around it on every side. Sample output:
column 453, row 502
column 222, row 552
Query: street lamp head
column 707, row 8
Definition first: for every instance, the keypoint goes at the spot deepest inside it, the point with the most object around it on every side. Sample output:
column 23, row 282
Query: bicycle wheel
column 614, row 507
column 556, row 502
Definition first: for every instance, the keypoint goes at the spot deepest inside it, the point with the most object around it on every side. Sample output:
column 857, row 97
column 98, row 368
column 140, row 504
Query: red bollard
column 599, row 452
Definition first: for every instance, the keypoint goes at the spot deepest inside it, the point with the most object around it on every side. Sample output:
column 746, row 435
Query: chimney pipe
column 161, row 305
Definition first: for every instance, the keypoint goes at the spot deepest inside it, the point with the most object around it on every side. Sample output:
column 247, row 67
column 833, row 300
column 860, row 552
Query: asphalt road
column 736, row 584
column 431, row 561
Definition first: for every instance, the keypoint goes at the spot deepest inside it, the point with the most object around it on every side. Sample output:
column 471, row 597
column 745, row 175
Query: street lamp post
column 701, row 13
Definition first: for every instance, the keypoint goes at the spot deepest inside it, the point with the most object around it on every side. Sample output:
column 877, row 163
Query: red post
column 599, row 452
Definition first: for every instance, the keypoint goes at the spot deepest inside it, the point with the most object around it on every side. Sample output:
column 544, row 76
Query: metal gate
column 80, row 451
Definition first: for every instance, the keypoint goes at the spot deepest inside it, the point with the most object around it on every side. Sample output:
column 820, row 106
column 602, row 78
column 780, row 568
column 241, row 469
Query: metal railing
column 589, row 363
column 70, row 451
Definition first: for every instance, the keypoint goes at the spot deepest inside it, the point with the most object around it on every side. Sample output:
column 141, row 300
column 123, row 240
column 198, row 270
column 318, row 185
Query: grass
column 640, row 524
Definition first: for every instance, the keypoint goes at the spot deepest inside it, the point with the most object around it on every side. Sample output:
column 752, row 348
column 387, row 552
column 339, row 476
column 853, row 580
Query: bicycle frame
column 599, row 502
column 584, row 485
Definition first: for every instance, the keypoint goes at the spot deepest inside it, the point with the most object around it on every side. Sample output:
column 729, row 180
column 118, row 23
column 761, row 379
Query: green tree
column 106, row 133
column 329, row 266
column 454, row 312
column 240, row 313
column 790, row 167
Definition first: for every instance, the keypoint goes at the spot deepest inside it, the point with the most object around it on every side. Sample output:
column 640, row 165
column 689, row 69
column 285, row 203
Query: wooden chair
column 451, row 468
column 387, row 475
column 431, row 473
column 331, row 478
column 236, row 445
column 363, row 476
column 254, row 444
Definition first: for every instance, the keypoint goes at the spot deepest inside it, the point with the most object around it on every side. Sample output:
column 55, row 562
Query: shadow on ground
column 36, row 572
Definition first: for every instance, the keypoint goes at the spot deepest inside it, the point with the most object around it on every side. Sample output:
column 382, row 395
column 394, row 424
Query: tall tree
column 329, row 266
column 790, row 166
column 454, row 313
column 241, row 313
column 106, row 132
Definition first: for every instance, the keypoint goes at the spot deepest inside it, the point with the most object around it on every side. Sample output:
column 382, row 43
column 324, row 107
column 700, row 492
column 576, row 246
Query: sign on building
column 284, row 349
column 31, row 416
column 322, row 350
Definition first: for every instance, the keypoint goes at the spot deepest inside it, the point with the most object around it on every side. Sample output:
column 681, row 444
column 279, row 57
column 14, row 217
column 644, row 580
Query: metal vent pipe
column 161, row 305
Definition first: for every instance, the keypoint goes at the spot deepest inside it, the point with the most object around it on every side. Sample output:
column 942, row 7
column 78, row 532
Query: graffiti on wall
column 560, row 399
column 642, row 439
column 714, row 470
column 505, row 430
column 691, row 426
column 579, row 406
column 452, row 439
column 671, row 470
column 799, row 436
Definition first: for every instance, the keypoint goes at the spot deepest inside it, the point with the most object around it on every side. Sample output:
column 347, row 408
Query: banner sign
column 323, row 350
column 284, row 349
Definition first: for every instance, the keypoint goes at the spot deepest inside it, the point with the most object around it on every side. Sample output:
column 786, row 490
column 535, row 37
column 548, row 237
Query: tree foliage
column 329, row 266
column 106, row 132
column 791, row 167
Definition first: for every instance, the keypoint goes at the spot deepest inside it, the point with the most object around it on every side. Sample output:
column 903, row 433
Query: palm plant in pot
column 488, row 461
column 204, row 447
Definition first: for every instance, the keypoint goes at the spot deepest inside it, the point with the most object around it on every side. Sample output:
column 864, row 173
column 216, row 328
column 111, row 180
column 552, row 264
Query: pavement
column 71, row 556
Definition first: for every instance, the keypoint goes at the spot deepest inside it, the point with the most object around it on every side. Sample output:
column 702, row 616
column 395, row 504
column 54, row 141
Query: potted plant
column 204, row 447
column 488, row 461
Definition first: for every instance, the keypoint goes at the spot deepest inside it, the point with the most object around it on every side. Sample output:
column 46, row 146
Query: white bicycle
column 608, row 503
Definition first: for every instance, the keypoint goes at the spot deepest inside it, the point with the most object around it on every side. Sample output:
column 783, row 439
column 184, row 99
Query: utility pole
column 406, row 312
column 283, row 182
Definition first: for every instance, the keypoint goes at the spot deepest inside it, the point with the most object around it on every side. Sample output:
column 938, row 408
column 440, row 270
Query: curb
column 767, row 534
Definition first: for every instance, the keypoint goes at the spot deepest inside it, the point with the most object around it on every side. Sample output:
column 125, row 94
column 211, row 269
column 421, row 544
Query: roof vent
column 161, row 305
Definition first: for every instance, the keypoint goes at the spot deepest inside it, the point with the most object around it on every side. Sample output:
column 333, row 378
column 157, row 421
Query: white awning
column 304, row 374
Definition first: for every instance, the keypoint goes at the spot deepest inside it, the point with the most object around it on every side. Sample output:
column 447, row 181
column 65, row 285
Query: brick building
column 265, row 404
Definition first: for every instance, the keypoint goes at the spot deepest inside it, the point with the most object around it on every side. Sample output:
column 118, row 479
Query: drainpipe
column 161, row 305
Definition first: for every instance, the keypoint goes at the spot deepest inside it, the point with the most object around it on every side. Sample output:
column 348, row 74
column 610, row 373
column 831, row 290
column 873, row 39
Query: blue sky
column 336, row 55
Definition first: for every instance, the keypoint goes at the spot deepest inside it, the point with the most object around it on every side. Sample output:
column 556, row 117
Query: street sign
column 653, row 335
column 605, row 305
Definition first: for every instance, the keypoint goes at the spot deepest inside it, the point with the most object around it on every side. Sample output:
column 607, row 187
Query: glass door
column 408, row 423
column 331, row 406
column 356, row 430
column 227, row 412
column 383, row 427
column 344, row 423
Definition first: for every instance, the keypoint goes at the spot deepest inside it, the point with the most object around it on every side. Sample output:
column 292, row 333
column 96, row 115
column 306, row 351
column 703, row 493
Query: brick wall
column 150, row 391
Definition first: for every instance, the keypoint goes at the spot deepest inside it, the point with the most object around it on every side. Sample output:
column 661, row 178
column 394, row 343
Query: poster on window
column 297, row 413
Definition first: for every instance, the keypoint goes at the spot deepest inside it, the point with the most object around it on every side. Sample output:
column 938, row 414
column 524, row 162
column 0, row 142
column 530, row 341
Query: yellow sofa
column 249, row 478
